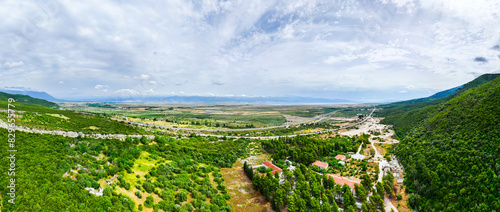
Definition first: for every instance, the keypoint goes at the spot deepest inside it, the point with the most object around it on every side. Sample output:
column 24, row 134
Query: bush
column 149, row 202
column 399, row 197
column 138, row 194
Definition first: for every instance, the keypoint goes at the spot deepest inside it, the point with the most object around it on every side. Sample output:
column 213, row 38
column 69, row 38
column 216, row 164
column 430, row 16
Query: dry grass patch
column 58, row 115
column 380, row 149
column 401, row 205
column 131, row 193
column 243, row 196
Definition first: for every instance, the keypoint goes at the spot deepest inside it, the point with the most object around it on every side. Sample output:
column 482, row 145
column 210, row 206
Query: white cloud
column 61, row 82
column 339, row 59
column 13, row 64
column 101, row 86
column 150, row 91
column 143, row 77
column 260, row 48
column 388, row 54
column 127, row 92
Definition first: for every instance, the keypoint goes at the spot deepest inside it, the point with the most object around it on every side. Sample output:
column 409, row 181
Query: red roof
column 340, row 157
column 320, row 164
column 342, row 181
column 272, row 166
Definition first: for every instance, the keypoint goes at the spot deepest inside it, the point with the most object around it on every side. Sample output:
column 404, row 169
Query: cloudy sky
column 361, row 50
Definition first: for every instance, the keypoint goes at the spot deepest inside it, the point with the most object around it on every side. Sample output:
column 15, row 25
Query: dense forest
column 406, row 115
column 451, row 151
column 185, row 175
column 41, row 161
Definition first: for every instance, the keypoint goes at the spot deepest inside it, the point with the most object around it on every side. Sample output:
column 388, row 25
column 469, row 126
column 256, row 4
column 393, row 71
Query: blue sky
column 360, row 50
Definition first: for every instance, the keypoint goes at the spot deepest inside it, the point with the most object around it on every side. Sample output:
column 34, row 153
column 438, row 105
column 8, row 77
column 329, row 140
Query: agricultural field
column 215, row 116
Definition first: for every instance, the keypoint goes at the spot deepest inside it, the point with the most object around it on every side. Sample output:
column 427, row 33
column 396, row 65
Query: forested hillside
column 452, row 159
column 27, row 100
column 406, row 115
column 163, row 173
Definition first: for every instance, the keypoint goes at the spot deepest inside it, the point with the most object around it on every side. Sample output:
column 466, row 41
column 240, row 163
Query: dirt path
column 359, row 149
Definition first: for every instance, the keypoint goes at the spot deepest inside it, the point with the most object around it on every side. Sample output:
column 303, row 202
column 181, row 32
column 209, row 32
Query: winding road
column 122, row 136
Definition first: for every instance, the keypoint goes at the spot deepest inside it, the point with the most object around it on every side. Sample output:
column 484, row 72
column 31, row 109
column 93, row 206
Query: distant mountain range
column 219, row 99
column 284, row 100
column 187, row 99
column 34, row 94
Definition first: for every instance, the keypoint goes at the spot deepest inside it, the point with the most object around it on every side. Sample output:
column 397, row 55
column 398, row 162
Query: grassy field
column 243, row 196
column 141, row 167
column 382, row 148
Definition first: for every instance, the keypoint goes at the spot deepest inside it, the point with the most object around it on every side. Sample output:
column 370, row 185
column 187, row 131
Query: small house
column 340, row 157
column 321, row 165
column 274, row 168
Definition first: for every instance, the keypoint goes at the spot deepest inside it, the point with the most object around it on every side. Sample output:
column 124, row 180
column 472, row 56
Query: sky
column 368, row 51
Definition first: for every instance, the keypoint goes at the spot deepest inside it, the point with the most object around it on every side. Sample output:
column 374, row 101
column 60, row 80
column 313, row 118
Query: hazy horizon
column 364, row 51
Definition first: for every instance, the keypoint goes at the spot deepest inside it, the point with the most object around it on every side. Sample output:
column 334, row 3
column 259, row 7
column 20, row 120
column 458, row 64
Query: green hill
column 38, row 114
column 27, row 100
column 452, row 158
column 406, row 115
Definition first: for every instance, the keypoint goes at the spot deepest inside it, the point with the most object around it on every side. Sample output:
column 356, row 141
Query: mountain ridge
column 451, row 157
column 25, row 99
column 407, row 114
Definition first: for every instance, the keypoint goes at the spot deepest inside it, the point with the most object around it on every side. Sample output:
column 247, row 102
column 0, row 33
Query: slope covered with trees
column 406, row 115
column 27, row 100
column 40, row 162
column 452, row 159
column 180, row 179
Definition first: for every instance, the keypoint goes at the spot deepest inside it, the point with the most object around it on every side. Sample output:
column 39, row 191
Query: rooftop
column 320, row 164
column 340, row 157
column 342, row 181
column 273, row 167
